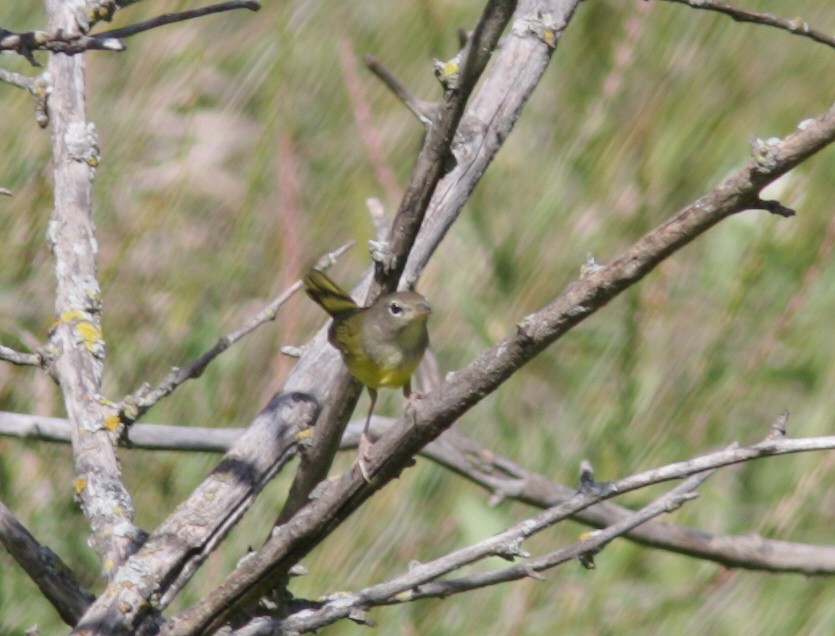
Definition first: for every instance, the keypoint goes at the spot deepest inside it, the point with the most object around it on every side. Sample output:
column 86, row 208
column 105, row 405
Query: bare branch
column 171, row 18
column 507, row 480
column 796, row 26
column 168, row 559
column 596, row 288
column 52, row 576
column 774, row 207
column 139, row 436
column 39, row 88
column 69, row 42
column 25, row 44
column 421, row 580
column 16, row 79
column 515, row 71
column 20, row 358
column 424, row 111
column 335, row 501
column 500, row 476
column 436, row 152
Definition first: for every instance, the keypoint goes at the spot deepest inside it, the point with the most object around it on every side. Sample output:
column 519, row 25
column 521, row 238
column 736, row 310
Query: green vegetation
column 232, row 159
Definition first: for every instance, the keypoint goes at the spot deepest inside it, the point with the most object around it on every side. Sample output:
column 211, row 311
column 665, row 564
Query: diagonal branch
column 170, row 556
column 52, row 576
column 506, row 479
column 424, row 111
column 331, row 497
column 321, row 365
column 466, row 387
column 140, row 402
column 595, row 289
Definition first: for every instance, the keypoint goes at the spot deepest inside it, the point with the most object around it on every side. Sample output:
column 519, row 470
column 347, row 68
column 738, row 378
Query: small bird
column 381, row 344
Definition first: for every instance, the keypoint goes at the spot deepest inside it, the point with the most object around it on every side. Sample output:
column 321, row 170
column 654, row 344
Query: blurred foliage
column 232, row 157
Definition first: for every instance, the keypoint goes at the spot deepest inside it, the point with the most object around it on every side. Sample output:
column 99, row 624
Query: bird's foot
column 412, row 401
column 363, row 457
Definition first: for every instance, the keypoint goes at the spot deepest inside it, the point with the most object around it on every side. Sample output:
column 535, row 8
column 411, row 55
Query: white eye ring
column 395, row 309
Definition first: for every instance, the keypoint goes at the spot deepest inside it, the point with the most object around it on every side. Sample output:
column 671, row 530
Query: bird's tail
column 328, row 295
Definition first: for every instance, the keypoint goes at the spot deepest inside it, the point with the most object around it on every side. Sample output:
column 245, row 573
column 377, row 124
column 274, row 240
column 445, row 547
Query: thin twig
column 795, row 26
column 170, row 18
column 16, row 79
column 139, row 436
column 421, row 581
column 140, row 402
column 73, row 43
column 25, row 44
column 499, row 475
column 424, row 111
column 436, row 153
column 20, row 358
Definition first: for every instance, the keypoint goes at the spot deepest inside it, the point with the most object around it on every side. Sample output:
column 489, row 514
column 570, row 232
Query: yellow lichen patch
column 80, row 484
column 71, row 315
column 90, row 334
column 303, row 435
column 112, row 421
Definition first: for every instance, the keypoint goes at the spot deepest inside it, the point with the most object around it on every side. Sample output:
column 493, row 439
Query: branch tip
column 774, row 207
column 778, row 428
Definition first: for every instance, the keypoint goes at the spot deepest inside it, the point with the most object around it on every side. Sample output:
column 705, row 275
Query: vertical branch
column 517, row 68
column 437, row 146
column 77, row 335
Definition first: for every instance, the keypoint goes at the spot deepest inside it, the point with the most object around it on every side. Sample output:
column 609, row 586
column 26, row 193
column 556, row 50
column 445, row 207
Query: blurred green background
column 238, row 148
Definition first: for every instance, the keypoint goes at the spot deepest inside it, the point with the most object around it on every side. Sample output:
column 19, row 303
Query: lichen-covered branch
column 77, row 336
column 168, row 559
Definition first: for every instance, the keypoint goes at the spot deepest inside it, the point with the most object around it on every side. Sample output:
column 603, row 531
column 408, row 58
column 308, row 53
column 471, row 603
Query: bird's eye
column 395, row 308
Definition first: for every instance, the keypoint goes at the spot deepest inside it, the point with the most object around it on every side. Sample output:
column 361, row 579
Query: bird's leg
column 365, row 439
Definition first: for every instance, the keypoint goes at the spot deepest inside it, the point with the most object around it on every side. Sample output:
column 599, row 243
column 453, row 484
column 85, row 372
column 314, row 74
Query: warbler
column 381, row 344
